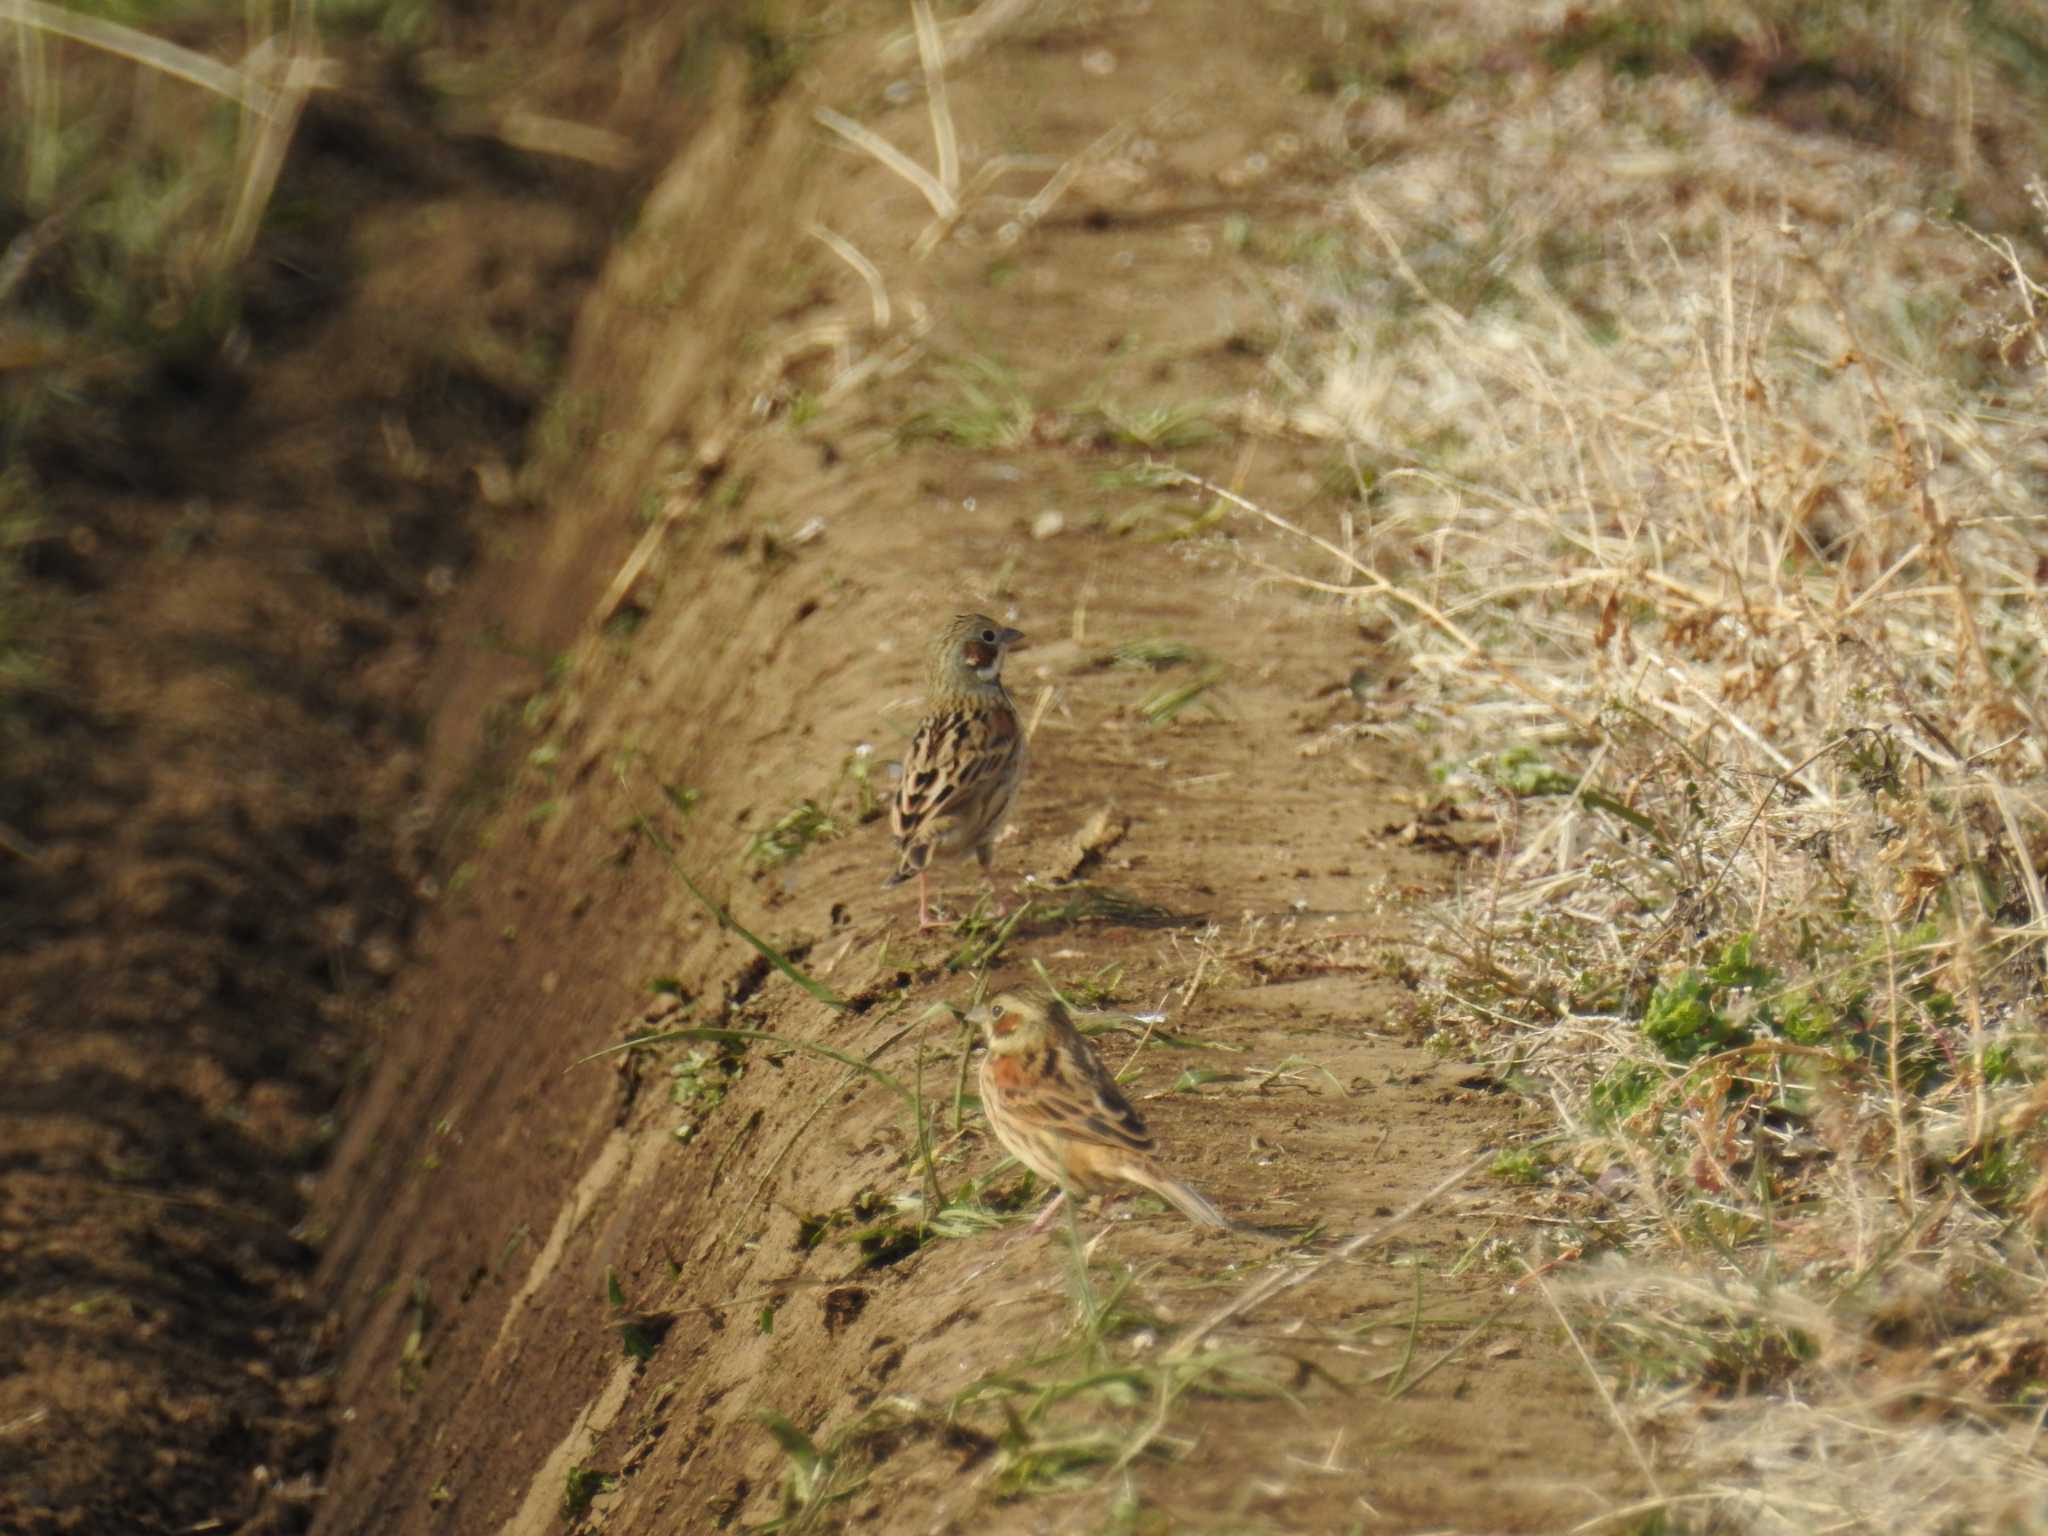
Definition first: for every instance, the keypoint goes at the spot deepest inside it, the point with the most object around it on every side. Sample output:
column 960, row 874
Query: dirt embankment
column 677, row 1288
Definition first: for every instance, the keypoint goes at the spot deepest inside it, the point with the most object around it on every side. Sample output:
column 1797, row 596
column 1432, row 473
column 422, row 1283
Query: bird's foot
column 1045, row 1216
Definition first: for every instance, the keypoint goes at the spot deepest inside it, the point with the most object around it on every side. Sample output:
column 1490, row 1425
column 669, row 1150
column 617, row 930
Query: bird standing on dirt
column 1055, row 1107
column 966, row 760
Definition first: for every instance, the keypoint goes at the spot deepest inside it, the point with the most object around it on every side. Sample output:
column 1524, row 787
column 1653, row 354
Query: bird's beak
column 1008, row 637
column 978, row 1017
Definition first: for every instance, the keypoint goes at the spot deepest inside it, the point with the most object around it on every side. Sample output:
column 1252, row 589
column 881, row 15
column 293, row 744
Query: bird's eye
column 988, row 636
column 996, row 1011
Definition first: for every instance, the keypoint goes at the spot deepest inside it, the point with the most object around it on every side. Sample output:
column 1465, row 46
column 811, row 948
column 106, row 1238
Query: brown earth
column 499, row 1212
column 741, row 556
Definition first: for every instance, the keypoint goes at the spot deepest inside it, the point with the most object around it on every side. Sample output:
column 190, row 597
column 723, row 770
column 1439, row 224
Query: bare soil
column 499, row 1214
column 216, row 1277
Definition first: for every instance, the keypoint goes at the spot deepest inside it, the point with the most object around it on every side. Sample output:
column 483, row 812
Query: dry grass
column 1700, row 477
column 134, row 177
column 133, row 190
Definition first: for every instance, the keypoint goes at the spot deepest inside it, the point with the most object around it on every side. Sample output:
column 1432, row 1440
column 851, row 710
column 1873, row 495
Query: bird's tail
column 1184, row 1198
column 909, row 863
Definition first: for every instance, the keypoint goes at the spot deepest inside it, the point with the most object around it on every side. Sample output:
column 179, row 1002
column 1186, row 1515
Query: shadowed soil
column 238, row 575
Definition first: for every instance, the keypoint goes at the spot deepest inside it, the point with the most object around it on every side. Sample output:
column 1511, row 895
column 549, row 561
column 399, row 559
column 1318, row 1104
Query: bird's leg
column 924, row 910
column 1045, row 1216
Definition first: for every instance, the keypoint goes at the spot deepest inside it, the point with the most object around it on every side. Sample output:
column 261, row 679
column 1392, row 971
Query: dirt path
column 553, row 1300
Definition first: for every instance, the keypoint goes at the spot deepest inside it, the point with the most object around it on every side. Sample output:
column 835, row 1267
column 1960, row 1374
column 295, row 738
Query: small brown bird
column 966, row 760
column 1055, row 1107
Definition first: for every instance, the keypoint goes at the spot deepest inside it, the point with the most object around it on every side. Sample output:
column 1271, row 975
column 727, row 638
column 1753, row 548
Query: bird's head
column 968, row 654
column 1013, row 1022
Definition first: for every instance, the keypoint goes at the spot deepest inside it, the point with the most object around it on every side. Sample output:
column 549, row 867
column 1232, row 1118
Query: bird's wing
column 1072, row 1093
column 956, row 755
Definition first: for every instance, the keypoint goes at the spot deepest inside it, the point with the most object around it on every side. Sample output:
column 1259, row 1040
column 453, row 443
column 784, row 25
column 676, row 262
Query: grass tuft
column 1169, row 703
column 986, row 409
column 134, row 177
column 789, row 835
column 580, row 1486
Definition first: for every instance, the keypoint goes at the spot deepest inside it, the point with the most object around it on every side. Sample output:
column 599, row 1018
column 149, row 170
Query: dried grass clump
column 134, row 177
column 1702, row 481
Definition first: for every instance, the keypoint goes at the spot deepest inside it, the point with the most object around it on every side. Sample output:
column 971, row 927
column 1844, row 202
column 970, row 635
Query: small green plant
column 818, row 1477
column 807, row 1474
column 1168, row 704
column 790, row 834
column 888, row 1229
column 1689, row 1016
column 1165, row 521
column 1622, row 1092
column 580, row 1486
column 1154, row 429
column 1518, row 1165
column 983, row 936
column 698, row 1084
column 1097, row 1400
column 1138, row 475
column 1096, row 990
column 775, row 957
column 1153, row 654
column 1194, row 1079
column 638, row 1334
column 987, row 409
column 864, row 1208
column 1100, row 903
column 1523, row 770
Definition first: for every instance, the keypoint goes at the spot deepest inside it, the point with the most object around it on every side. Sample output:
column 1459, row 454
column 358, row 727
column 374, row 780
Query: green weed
column 1169, row 703
column 1099, row 903
column 1154, row 654
column 817, row 1476
column 640, row 1334
column 1094, row 1403
column 699, row 1083
column 580, row 1486
column 1165, row 521
column 987, row 409
column 1153, row 429
column 983, row 937
column 789, row 835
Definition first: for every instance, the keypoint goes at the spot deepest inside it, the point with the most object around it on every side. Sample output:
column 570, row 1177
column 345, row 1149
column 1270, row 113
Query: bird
column 966, row 760
column 1055, row 1107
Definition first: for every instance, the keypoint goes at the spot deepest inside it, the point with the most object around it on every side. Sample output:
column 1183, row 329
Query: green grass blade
column 767, row 951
